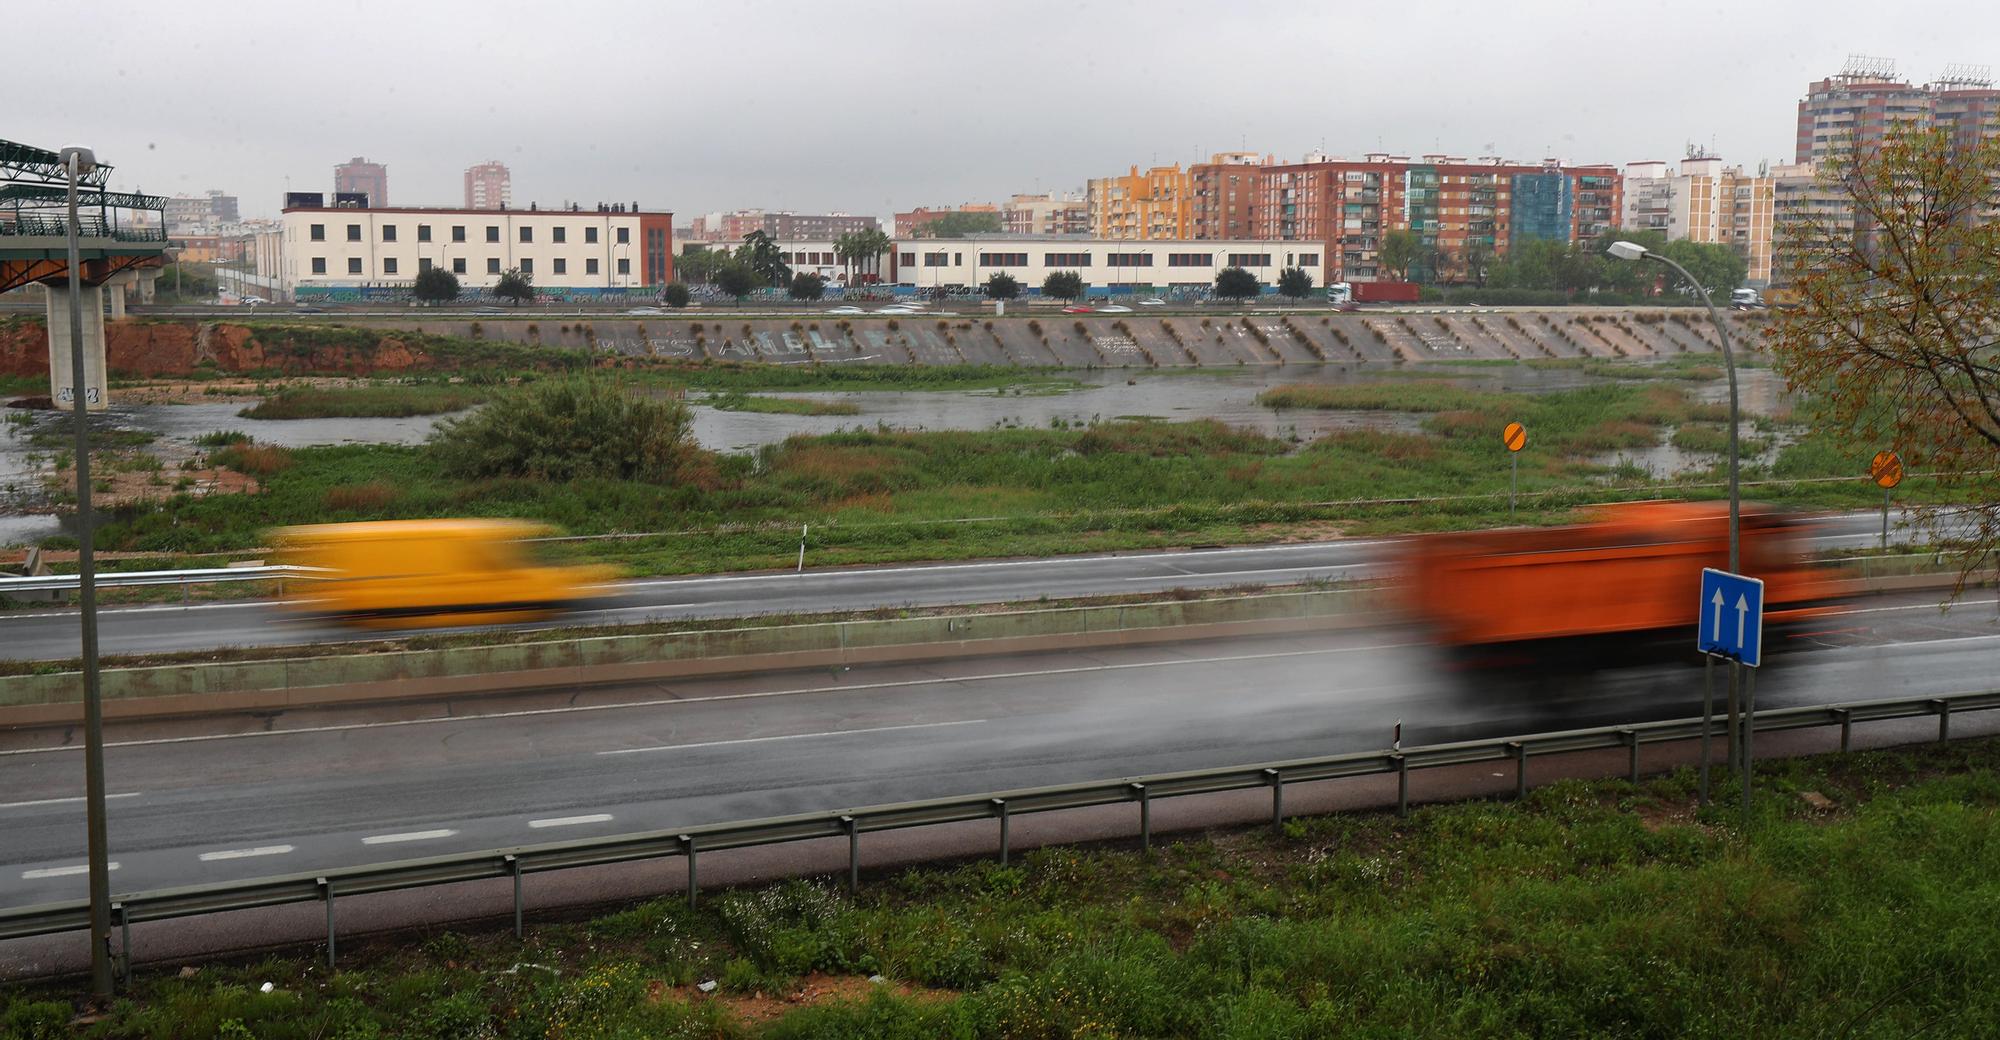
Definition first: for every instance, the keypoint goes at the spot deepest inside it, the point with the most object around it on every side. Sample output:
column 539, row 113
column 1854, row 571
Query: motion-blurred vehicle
column 1114, row 309
column 1746, row 300
column 1372, row 292
column 1154, row 302
column 1604, row 590
column 404, row 573
column 1077, row 309
column 846, row 310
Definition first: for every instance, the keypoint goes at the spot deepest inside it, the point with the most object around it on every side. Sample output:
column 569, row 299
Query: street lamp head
column 81, row 160
column 1627, row 250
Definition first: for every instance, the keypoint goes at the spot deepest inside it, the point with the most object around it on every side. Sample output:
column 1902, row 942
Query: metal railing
column 135, row 579
column 1140, row 791
column 87, row 226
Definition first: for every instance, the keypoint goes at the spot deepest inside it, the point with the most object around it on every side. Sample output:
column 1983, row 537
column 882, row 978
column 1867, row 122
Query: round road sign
column 1887, row 469
column 1515, row 436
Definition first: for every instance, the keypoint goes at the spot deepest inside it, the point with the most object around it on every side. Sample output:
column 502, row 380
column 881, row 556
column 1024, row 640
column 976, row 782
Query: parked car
column 1076, row 308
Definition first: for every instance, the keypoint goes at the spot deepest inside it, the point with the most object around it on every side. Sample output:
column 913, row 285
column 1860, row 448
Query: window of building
column 528, row 266
column 1308, row 259
column 1065, row 259
column 561, row 234
column 624, row 236
column 423, row 264
column 527, row 233
column 458, row 232
column 1190, row 259
column 624, row 263
column 908, row 260
column 590, row 234
column 590, row 265
column 1249, row 259
column 492, row 265
column 1003, row 259
column 388, row 265
column 319, row 265
column 319, row 232
column 457, row 265
column 354, row 232
column 388, row 232
column 423, row 232
column 1130, row 260
column 935, row 259
column 353, row 265
column 562, row 266
column 492, row 233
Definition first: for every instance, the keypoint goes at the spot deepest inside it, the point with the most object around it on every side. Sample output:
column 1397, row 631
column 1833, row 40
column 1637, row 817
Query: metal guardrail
column 134, row 579
column 518, row 861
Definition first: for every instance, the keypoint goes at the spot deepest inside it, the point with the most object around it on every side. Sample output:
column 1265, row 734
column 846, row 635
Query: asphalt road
column 53, row 634
column 233, row 797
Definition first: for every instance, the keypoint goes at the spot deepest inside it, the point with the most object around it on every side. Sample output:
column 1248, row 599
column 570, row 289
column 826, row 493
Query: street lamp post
column 1634, row 251
column 78, row 161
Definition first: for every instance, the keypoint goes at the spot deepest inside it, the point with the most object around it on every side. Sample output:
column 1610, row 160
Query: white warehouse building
column 1102, row 263
column 331, row 249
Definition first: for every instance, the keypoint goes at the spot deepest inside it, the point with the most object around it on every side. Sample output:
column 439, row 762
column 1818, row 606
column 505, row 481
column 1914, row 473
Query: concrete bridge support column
column 114, row 293
column 149, row 283
column 63, row 385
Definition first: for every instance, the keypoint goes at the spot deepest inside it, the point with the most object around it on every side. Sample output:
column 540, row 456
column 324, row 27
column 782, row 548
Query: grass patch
column 1590, row 909
column 366, row 402
column 738, row 401
column 882, row 496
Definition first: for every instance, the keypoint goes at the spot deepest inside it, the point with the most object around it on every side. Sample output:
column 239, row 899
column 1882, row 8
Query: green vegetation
column 382, row 400
column 1235, row 283
column 1063, row 285
column 738, row 401
column 561, row 430
column 1857, row 902
column 435, row 285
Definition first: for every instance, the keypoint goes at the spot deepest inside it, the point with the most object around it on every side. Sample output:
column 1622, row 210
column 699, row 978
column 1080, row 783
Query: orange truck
column 1629, row 576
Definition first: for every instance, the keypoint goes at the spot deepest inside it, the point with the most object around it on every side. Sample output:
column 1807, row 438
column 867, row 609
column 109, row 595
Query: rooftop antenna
column 1864, row 68
column 1961, row 76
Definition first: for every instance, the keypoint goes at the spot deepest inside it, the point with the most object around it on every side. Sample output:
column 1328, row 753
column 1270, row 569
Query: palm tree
column 870, row 246
column 844, row 247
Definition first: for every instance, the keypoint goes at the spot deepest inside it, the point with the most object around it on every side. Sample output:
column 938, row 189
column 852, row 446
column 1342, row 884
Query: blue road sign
column 1731, row 623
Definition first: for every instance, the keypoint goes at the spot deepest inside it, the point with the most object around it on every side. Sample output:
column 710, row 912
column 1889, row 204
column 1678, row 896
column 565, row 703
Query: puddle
column 185, row 422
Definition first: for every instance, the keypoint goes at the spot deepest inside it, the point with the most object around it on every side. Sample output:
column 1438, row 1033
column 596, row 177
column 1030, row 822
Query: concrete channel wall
column 1137, row 340
column 28, row 700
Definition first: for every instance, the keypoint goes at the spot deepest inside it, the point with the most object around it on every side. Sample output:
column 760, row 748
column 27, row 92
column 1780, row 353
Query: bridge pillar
column 114, row 291
column 63, row 386
column 149, row 282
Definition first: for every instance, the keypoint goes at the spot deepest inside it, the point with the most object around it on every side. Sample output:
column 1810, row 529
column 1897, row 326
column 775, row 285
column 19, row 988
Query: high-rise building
column 358, row 175
column 210, row 211
column 1862, row 103
column 1157, row 204
column 1705, row 201
column 488, row 186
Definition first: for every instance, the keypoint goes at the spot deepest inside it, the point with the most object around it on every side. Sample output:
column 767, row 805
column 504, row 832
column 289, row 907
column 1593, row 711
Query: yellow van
column 402, row 573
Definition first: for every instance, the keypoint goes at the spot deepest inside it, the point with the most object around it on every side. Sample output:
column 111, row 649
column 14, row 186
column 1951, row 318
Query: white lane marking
column 1068, row 561
column 789, row 736
column 1267, row 570
column 49, row 872
column 853, row 688
column 570, row 821
column 261, row 850
column 391, row 839
column 63, row 801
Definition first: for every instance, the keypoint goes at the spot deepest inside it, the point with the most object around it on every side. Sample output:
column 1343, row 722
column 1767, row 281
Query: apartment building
column 610, row 247
column 912, row 223
column 1703, row 200
column 1866, row 100
column 358, row 176
column 1046, row 214
column 1156, row 204
column 1453, row 204
column 778, row 224
column 489, row 185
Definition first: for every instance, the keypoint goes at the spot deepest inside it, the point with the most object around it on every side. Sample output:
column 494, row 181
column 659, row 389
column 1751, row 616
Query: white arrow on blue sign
column 1732, row 617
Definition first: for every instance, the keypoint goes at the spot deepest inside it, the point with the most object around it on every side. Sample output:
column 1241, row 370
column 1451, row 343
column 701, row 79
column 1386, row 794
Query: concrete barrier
column 29, row 700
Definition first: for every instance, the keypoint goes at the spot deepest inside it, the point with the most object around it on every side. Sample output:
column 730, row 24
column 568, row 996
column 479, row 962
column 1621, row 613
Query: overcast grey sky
column 870, row 107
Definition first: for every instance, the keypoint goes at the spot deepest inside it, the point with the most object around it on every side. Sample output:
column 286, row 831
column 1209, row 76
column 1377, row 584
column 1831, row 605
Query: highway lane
column 330, row 788
column 53, row 634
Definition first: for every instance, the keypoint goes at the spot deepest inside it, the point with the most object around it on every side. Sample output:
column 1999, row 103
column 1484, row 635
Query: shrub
column 256, row 460
column 361, row 498
column 569, row 429
column 675, row 295
column 221, row 439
